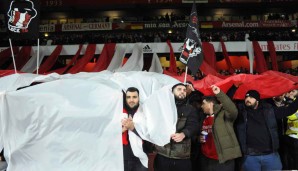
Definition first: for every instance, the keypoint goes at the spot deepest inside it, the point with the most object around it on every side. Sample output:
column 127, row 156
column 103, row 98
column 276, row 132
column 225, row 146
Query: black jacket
column 270, row 114
column 188, row 124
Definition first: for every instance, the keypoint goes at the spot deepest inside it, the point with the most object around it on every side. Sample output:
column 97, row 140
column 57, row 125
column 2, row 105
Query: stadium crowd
column 152, row 36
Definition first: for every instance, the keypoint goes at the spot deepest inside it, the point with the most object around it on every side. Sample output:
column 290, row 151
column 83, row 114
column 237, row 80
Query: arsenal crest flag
column 191, row 54
column 22, row 19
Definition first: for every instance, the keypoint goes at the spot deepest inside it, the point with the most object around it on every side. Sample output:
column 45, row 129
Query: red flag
column 261, row 65
column 22, row 57
column 50, row 61
column 105, row 57
column 207, row 69
column 209, row 54
column 272, row 52
column 6, row 54
column 173, row 66
column 179, row 77
column 73, row 60
column 267, row 85
column 204, row 85
column 287, row 76
column 89, row 54
column 226, row 56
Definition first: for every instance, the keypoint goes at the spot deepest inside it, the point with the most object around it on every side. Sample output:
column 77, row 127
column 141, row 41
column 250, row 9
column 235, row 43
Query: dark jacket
column 271, row 114
column 270, row 121
column 188, row 124
column 225, row 140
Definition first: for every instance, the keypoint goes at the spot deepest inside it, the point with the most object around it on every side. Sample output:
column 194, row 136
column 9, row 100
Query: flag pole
column 37, row 63
column 186, row 68
column 13, row 60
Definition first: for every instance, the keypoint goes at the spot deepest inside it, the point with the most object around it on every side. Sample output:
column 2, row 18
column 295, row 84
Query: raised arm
column 226, row 103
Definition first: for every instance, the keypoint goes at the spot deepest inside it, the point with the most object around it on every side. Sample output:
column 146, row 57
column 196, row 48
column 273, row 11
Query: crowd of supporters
column 153, row 36
column 291, row 71
column 277, row 16
column 200, row 75
column 246, row 71
column 170, row 17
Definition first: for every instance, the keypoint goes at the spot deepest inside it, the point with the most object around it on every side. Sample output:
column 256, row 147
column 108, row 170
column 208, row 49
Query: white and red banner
column 86, row 26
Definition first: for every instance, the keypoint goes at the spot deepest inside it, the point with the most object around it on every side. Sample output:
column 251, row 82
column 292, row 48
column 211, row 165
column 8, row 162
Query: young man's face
column 132, row 99
column 180, row 92
column 206, row 106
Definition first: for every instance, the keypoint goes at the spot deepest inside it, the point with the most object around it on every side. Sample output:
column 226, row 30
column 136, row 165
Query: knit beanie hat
column 254, row 94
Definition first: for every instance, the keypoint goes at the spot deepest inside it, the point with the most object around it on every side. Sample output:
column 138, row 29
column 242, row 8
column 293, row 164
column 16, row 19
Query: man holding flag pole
column 192, row 55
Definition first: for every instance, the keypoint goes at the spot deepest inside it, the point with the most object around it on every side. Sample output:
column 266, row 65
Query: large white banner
column 64, row 125
column 73, row 122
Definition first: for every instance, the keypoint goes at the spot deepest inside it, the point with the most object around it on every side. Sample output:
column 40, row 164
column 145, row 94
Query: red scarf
column 125, row 134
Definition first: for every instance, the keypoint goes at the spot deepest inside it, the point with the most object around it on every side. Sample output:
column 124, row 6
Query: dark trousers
column 134, row 165
column 208, row 164
column 290, row 152
column 162, row 163
column 195, row 156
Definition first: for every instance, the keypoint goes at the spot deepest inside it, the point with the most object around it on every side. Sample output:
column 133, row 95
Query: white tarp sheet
column 117, row 59
column 62, row 125
column 135, row 62
column 155, row 64
column 73, row 122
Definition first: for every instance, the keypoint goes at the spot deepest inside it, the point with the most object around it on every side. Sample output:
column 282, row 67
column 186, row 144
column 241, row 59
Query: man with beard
column 131, row 105
column 175, row 156
column 258, row 133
